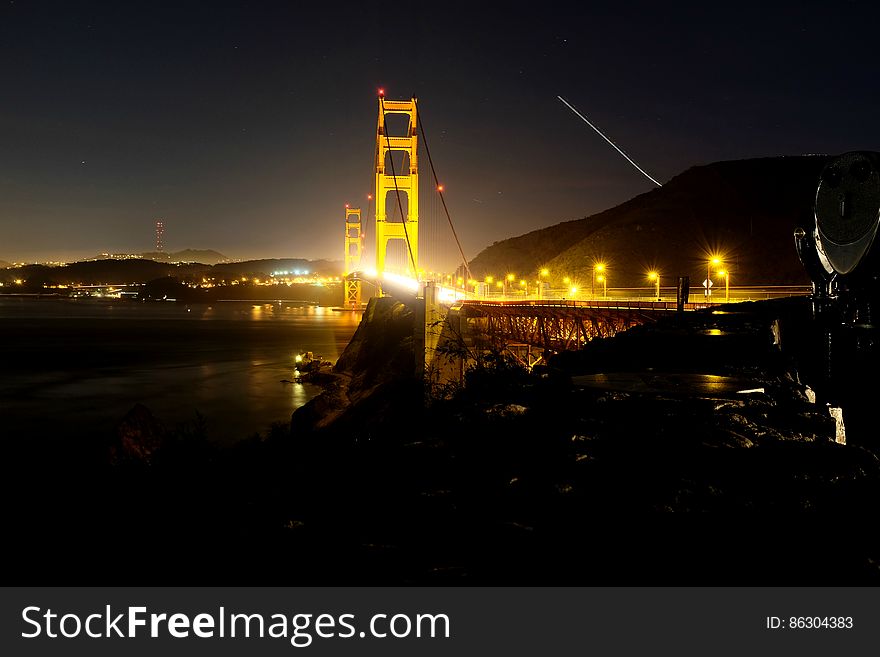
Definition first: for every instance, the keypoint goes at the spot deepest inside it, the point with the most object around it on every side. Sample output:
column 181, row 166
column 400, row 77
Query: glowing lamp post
column 726, row 275
column 540, row 284
column 598, row 272
column 601, row 278
column 712, row 261
column 655, row 278
column 509, row 284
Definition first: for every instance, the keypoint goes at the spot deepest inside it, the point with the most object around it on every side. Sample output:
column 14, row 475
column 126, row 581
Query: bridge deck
column 559, row 324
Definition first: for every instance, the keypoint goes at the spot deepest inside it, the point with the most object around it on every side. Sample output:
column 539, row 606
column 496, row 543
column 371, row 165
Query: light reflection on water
column 82, row 365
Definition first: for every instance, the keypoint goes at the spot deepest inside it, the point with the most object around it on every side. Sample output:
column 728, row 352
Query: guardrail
column 615, row 304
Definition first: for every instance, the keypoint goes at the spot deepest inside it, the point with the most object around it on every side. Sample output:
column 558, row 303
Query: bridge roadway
column 457, row 327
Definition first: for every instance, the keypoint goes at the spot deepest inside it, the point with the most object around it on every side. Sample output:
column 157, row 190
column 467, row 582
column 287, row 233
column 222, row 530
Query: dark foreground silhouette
column 660, row 472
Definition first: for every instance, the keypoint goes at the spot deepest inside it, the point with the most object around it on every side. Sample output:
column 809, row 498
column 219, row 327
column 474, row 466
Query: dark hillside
column 529, row 252
column 745, row 210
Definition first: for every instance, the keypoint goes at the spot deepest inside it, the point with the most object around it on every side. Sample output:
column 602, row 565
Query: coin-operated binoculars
column 841, row 253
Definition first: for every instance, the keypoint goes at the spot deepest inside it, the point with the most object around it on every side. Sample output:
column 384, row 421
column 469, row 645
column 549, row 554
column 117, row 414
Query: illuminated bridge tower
column 354, row 249
column 394, row 184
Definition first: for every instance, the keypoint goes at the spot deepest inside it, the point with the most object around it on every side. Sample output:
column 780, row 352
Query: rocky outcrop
column 373, row 373
column 666, row 454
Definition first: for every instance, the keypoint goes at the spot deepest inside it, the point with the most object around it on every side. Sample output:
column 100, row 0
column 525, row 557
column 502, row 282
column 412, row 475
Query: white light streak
column 628, row 159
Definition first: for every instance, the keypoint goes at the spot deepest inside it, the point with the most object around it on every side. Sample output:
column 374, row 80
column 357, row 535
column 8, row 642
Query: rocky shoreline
column 532, row 462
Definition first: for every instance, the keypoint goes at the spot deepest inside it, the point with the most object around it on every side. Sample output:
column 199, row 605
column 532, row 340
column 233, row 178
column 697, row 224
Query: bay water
column 76, row 366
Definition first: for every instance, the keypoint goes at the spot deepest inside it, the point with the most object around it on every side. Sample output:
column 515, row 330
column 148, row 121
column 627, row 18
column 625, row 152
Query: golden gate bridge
column 399, row 248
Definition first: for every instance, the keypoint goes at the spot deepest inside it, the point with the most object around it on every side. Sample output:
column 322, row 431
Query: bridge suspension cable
column 439, row 189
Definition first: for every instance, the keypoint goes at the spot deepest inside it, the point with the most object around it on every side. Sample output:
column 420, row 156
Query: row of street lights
column 599, row 274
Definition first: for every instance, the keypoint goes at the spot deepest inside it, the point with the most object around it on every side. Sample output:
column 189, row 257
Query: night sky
column 247, row 126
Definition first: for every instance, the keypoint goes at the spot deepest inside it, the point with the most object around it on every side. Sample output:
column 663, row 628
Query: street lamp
column 604, row 281
column 597, row 269
column 712, row 261
column 726, row 275
column 655, row 277
column 508, row 284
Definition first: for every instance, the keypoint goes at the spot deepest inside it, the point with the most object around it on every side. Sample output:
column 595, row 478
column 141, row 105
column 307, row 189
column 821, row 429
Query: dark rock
column 372, row 376
column 138, row 437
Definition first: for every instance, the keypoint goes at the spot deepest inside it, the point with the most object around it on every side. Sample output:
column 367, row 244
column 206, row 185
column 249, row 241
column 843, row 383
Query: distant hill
column 204, row 256
column 4, row 264
column 744, row 209
column 139, row 270
column 96, row 272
